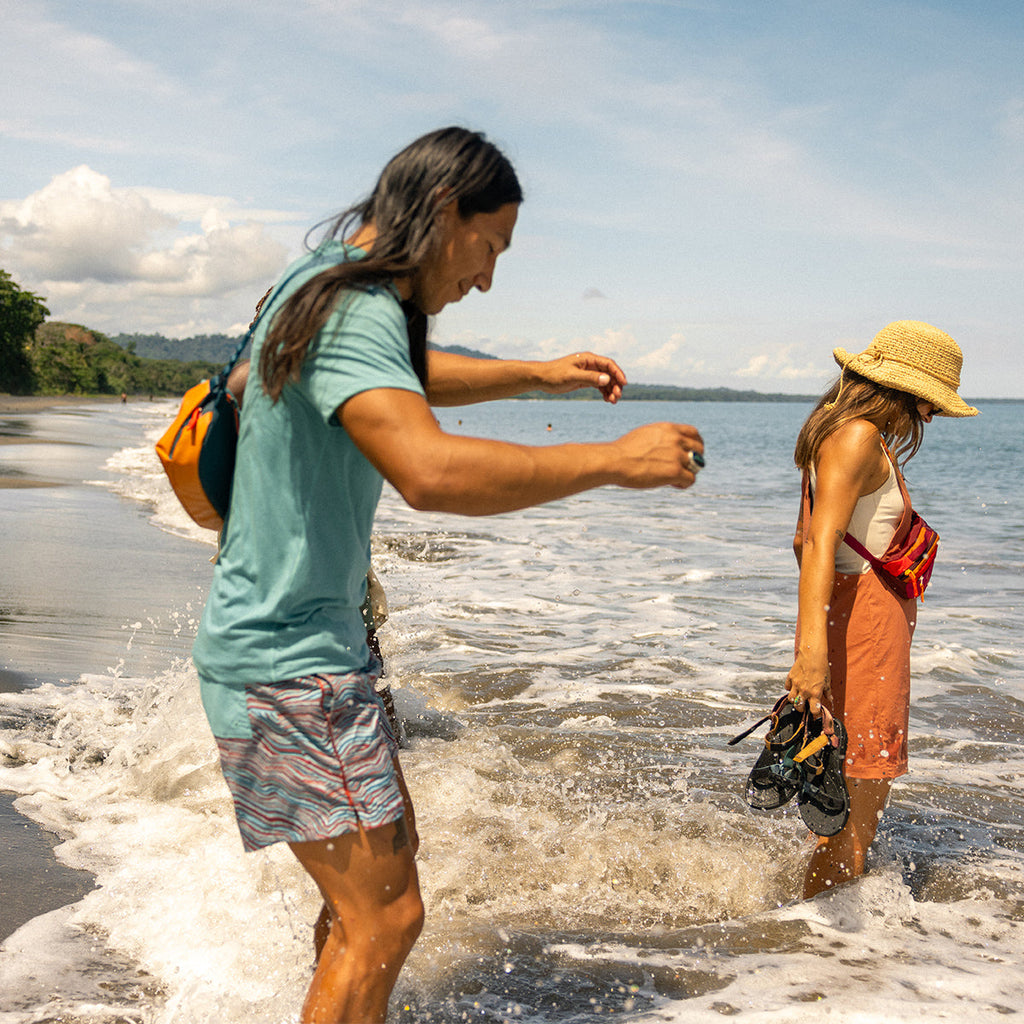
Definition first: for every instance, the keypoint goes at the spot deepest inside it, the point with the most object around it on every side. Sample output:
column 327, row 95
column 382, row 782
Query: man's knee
column 408, row 916
column 391, row 929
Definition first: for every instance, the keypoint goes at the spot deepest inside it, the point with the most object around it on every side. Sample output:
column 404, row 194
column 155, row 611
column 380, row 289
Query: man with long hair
column 341, row 402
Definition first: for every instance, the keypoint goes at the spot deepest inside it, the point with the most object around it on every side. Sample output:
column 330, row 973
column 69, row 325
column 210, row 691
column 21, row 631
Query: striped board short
column 319, row 762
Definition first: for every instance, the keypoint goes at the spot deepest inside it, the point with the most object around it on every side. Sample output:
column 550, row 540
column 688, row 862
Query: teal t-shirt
column 291, row 575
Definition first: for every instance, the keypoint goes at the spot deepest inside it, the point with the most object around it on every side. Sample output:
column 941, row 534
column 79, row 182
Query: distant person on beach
column 853, row 632
column 339, row 402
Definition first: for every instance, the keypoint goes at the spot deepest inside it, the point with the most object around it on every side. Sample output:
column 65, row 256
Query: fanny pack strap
column 901, row 527
column 861, row 550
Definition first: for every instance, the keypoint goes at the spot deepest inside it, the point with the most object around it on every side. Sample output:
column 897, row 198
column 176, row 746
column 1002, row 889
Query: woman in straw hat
column 853, row 632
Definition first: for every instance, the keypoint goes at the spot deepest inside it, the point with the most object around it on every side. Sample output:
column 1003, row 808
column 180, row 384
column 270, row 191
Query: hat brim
column 906, row 378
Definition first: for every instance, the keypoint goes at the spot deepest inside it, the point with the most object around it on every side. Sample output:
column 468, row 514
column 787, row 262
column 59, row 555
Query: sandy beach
column 13, row 404
column 65, row 604
column 17, row 405
column 33, row 880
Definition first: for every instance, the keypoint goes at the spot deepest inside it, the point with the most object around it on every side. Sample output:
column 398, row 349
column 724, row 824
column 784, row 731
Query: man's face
column 465, row 257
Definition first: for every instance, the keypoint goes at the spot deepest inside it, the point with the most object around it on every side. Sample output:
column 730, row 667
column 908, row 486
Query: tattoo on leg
column 401, row 836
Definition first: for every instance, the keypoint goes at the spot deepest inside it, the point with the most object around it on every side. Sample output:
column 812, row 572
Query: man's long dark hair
column 451, row 165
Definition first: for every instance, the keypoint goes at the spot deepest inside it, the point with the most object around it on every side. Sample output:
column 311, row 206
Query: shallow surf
column 568, row 678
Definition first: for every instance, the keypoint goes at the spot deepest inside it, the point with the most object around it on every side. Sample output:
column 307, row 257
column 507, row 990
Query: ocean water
column 568, row 679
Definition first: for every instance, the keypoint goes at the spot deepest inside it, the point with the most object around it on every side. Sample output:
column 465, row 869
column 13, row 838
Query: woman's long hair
column 855, row 397
column 451, row 165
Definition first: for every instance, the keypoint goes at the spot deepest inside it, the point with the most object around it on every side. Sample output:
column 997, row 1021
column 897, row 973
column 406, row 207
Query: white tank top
column 874, row 521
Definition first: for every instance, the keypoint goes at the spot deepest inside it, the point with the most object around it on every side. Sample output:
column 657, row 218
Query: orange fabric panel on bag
column 192, row 467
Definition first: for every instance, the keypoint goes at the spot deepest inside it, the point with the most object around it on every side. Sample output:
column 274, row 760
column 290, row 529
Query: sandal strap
column 743, row 735
column 826, row 801
column 779, row 704
column 819, row 741
column 786, row 769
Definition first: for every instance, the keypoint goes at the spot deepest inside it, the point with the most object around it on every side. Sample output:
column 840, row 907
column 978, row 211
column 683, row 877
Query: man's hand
column 583, row 370
column 434, row 471
column 658, row 455
column 454, row 379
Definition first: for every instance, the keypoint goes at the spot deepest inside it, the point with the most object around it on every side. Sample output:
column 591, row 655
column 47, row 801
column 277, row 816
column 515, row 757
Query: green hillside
column 217, row 349
column 68, row 359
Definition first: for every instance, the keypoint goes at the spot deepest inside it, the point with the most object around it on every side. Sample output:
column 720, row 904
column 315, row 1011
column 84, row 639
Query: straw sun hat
column 914, row 357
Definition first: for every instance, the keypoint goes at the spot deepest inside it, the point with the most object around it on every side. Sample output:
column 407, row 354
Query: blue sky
column 718, row 192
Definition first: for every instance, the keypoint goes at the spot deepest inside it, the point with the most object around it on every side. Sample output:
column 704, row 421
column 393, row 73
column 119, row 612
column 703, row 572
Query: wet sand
column 65, row 608
column 17, row 405
column 32, row 881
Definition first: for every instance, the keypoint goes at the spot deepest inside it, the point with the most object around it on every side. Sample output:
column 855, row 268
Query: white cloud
column 461, row 34
column 55, row 69
column 662, row 358
column 759, row 366
column 86, row 245
column 196, row 206
column 615, row 342
column 79, row 229
column 785, row 362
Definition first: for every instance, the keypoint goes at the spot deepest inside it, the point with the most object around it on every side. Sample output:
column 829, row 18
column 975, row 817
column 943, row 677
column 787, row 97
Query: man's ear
column 446, row 212
column 444, row 204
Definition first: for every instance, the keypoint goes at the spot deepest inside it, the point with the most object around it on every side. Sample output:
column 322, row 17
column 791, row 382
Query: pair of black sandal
column 803, row 757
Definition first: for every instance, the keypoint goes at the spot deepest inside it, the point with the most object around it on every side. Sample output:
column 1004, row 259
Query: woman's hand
column 809, row 679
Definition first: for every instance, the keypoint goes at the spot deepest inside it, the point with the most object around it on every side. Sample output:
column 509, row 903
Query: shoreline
column 10, row 404
column 33, row 881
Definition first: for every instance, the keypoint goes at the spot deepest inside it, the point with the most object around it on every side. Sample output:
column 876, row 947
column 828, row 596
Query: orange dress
column 869, row 635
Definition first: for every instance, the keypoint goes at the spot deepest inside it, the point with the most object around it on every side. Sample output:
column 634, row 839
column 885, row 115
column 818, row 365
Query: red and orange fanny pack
column 906, row 566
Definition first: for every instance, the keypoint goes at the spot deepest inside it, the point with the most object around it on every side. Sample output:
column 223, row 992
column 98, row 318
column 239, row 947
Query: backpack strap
column 237, row 354
column 271, row 293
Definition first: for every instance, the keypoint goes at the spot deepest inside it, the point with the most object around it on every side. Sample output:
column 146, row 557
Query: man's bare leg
column 369, row 883
column 322, row 928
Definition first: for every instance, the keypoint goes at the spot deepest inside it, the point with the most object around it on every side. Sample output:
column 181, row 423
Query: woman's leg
column 839, row 858
column 369, row 883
